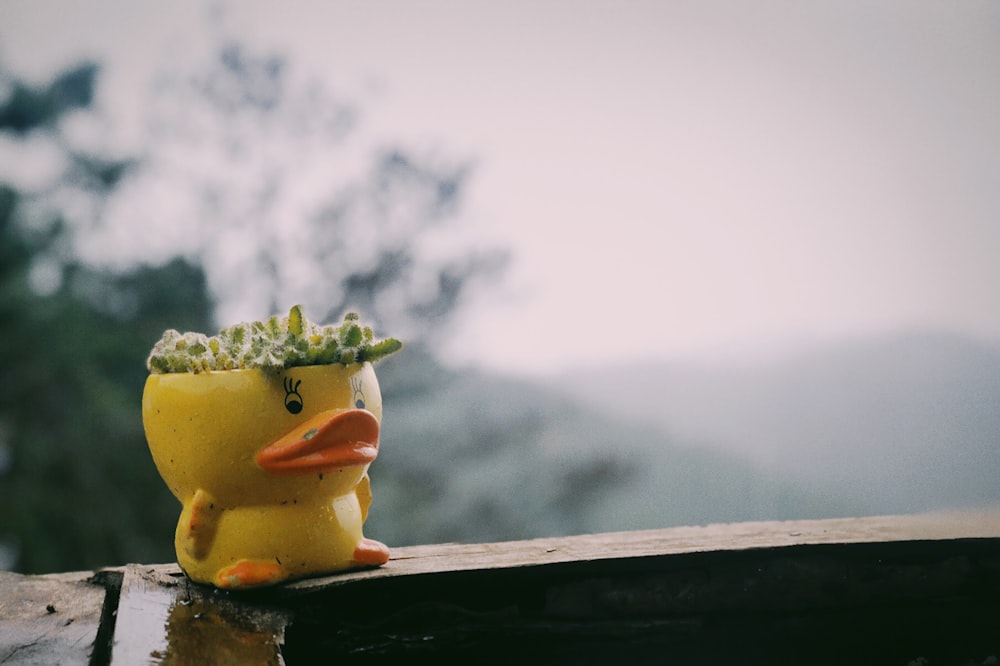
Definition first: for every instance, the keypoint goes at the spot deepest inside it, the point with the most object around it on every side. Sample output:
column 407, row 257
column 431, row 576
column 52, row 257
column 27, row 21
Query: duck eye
column 293, row 400
column 359, row 397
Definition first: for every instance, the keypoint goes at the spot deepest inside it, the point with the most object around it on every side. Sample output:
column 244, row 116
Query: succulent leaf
column 272, row 344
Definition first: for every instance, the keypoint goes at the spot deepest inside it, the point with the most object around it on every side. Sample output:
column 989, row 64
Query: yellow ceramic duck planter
column 265, row 434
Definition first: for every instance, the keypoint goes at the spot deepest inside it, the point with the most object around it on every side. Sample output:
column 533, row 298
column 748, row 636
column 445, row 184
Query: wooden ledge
column 53, row 619
column 892, row 589
column 441, row 558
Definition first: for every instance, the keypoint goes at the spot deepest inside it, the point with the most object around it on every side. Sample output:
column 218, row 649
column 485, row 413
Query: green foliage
column 28, row 107
column 76, row 479
column 73, row 459
column 277, row 343
column 80, row 476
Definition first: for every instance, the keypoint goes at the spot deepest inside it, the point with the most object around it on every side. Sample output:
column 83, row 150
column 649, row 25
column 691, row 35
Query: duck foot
column 371, row 553
column 246, row 573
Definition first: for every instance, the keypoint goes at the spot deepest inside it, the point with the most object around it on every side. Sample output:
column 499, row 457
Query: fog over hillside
column 469, row 456
column 901, row 424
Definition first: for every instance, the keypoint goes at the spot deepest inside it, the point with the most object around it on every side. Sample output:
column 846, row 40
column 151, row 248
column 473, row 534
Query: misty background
column 655, row 264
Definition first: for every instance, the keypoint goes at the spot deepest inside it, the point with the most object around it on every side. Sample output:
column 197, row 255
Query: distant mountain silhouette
column 901, row 424
column 467, row 456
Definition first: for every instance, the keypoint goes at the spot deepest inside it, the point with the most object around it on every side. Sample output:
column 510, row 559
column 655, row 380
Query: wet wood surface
column 897, row 589
column 164, row 618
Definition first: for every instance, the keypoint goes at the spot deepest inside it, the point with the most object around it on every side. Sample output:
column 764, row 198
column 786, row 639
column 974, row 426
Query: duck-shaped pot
column 271, row 466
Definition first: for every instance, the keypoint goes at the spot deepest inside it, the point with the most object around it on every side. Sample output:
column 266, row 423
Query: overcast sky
column 699, row 180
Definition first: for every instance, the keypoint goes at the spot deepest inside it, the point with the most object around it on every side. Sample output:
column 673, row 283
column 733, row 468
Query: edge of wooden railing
column 439, row 558
column 140, row 613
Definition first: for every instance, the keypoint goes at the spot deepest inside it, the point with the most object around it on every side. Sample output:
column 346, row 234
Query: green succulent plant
column 273, row 344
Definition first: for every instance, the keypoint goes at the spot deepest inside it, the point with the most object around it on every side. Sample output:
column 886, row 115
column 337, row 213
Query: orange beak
column 329, row 440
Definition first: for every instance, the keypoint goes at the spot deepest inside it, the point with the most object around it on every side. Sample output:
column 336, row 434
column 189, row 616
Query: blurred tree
column 76, row 480
column 29, row 108
column 244, row 199
column 256, row 172
column 241, row 201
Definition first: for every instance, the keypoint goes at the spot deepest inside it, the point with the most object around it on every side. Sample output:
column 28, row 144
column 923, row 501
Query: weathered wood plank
column 437, row 558
column 897, row 587
column 163, row 618
column 51, row 619
column 882, row 590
